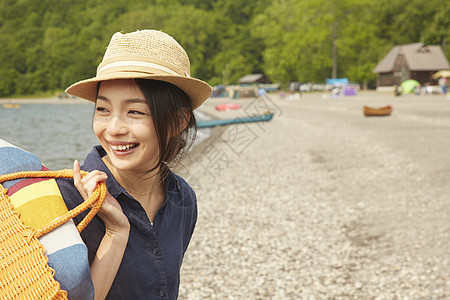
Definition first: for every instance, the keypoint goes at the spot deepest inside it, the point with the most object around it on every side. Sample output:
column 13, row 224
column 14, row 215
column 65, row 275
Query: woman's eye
column 136, row 112
column 101, row 109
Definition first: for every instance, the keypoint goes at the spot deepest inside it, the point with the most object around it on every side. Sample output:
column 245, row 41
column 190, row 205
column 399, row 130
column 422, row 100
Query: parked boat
column 257, row 118
column 377, row 111
column 11, row 105
column 227, row 106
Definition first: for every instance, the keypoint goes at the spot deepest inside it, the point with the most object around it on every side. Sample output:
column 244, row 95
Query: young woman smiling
column 144, row 101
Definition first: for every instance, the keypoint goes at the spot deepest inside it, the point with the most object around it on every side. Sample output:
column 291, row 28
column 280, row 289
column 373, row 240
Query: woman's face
column 123, row 125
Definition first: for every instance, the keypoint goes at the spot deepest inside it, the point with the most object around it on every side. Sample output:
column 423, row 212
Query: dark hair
column 171, row 109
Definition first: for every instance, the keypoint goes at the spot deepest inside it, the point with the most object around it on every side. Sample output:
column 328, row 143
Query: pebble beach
column 322, row 202
column 318, row 203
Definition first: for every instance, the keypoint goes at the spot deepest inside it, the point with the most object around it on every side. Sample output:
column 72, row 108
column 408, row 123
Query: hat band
column 138, row 64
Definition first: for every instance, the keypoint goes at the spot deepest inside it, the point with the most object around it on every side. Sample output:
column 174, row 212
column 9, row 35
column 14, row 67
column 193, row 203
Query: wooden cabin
column 412, row 61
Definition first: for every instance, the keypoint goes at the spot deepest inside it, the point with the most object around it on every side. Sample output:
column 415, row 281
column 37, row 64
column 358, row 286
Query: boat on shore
column 11, row 105
column 257, row 118
column 377, row 111
column 227, row 106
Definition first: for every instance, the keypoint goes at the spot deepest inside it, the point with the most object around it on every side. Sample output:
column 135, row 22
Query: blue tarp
column 337, row 81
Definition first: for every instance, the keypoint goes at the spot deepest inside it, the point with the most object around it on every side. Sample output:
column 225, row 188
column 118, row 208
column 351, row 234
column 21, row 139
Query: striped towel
column 39, row 201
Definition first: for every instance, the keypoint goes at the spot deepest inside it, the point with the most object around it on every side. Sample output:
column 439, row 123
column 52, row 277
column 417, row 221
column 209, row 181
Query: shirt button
column 161, row 293
column 156, row 251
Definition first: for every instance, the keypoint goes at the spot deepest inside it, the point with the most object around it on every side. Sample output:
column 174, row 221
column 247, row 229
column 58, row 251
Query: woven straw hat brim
column 197, row 91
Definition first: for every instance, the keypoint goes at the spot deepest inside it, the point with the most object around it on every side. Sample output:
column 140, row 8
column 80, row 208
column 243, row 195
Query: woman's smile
column 123, row 149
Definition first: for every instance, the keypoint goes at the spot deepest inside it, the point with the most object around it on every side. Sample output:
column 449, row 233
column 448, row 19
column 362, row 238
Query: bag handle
column 94, row 202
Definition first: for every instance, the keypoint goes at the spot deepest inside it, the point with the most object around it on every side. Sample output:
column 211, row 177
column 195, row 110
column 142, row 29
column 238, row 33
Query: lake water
column 56, row 133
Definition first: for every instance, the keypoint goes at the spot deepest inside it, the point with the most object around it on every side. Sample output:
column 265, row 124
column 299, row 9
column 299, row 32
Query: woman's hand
column 110, row 212
column 112, row 247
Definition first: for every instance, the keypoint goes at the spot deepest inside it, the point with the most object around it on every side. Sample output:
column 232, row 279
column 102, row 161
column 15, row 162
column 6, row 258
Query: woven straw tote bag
column 24, row 270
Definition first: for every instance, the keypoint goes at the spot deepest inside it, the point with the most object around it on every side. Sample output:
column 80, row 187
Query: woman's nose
column 116, row 126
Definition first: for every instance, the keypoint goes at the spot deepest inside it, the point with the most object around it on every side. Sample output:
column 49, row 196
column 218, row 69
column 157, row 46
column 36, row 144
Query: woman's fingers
column 77, row 179
column 92, row 180
column 87, row 184
column 94, row 175
column 112, row 215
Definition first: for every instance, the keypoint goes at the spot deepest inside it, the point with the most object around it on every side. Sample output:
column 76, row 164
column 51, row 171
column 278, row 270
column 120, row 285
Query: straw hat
column 147, row 54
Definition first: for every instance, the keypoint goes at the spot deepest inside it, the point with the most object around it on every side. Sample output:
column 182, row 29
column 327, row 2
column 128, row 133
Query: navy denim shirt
column 150, row 267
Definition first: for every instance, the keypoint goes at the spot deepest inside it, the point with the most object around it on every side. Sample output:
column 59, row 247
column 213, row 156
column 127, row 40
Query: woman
column 144, row 101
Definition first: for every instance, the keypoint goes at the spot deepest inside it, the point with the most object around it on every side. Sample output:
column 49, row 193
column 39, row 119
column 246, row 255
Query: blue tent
column 337, row 81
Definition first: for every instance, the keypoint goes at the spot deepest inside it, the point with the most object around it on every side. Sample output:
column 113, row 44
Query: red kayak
column 228, row 106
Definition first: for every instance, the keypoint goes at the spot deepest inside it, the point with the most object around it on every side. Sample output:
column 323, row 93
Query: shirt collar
column 94, row 161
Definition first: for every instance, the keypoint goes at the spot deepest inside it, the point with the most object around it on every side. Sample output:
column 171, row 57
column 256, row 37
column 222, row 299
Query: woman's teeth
column 123, row 147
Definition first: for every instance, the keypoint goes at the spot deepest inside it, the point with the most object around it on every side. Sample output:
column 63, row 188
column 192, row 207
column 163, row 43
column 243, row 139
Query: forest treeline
column 46, row 45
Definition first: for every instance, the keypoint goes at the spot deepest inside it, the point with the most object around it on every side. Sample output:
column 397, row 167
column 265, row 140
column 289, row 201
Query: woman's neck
column 140, row 185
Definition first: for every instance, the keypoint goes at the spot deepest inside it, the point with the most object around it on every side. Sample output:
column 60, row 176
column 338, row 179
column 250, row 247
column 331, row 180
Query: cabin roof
column 419, row 57
column 252, row 78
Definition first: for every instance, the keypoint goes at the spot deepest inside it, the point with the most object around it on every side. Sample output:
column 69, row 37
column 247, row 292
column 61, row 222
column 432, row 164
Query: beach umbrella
column 442, row 73
column 409, row 85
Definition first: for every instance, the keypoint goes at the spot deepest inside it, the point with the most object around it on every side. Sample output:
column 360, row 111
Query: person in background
column 443, row 84
column 144, row 101
column 397, row 90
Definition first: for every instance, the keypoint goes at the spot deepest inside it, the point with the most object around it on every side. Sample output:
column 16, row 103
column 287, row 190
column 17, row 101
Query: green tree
column 311, row 40
column 49, row 44
column 297, row 40
column 438, row 30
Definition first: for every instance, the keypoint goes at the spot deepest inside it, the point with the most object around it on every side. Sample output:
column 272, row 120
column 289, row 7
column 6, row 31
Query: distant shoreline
column 45, row 100
column 208, row 107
